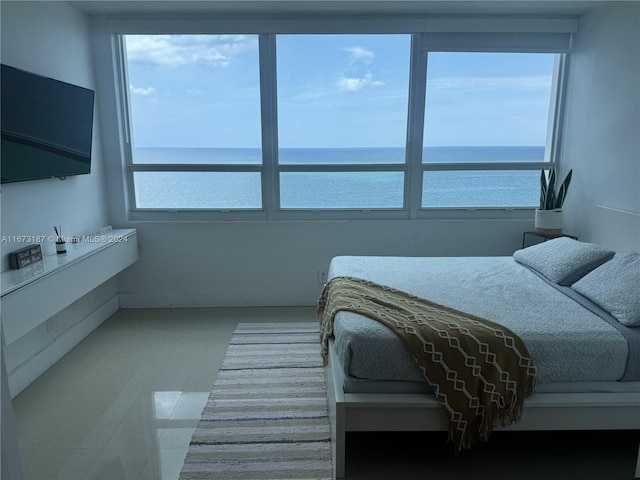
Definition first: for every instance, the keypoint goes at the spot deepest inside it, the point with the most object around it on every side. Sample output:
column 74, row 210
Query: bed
column 575, row 305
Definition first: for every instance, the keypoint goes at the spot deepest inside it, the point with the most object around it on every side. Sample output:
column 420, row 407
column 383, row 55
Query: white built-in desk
column 32, row 295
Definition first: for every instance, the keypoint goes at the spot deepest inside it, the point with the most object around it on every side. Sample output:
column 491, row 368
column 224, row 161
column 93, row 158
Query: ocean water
column 361, row 190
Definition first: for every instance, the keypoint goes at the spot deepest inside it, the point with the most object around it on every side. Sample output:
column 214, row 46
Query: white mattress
column 567, row 342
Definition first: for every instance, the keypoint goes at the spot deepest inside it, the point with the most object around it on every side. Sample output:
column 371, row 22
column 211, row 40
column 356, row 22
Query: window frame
column 420, row 29
column 554, row 121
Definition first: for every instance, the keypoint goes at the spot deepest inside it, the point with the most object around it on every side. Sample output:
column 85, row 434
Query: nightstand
column 543, row 236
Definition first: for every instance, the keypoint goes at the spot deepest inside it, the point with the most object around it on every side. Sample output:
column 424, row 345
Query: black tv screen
column 46, row 127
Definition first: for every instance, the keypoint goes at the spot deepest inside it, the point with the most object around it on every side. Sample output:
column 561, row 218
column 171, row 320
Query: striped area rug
column 266, row 416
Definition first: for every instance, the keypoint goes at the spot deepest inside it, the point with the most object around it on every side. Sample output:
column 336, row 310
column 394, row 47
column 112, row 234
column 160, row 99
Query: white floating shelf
column 32, row 295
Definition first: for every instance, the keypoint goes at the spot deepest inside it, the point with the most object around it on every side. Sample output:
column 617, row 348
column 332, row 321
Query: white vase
column 549, row 222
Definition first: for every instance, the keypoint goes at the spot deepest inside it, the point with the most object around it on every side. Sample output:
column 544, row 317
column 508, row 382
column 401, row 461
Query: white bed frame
column 365, row 412
column 358, row 412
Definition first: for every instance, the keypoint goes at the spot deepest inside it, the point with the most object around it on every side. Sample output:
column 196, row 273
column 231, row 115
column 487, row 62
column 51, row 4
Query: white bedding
column 567, row 342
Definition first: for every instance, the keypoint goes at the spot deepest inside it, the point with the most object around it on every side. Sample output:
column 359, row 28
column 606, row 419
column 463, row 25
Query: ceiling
column 337, row 7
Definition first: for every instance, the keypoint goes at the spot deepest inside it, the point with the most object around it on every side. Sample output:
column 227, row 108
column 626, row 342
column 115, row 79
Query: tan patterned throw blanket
column 480, row 371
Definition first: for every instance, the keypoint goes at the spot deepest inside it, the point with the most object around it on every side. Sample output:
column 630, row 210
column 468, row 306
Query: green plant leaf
column 551, row 190
column 549, row 198
column 562, row 193
column 543, row 189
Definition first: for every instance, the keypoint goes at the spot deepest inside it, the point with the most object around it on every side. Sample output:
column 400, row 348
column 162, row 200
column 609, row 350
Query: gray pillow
column 615, row 286
column 563, row 260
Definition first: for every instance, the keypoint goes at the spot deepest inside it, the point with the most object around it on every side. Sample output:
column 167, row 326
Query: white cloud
column 360, row 54
column 181, row 50
column 145, row 92
column 353, row 84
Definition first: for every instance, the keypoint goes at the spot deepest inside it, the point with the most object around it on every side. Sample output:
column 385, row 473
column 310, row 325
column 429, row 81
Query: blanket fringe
column 481, row 429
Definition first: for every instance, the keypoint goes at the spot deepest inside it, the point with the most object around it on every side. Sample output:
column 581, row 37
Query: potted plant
column 548, row 219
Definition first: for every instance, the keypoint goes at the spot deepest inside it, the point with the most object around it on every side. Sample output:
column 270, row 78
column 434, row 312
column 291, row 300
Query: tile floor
column 124, row 403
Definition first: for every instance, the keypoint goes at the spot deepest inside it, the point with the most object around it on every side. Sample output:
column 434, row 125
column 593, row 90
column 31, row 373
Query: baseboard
column 235, row 298
column 22, row 376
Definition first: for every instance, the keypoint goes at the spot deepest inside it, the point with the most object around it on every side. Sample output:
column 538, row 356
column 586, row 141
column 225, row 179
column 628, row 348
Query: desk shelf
column 34, row 294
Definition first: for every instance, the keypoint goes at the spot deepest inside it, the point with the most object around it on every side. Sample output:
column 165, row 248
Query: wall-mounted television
column 46, row 127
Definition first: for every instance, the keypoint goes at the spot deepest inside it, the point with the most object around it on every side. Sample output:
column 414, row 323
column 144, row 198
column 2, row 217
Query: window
column 391, row 124
column 344, row 106
column 195, row 121
column 485, row 129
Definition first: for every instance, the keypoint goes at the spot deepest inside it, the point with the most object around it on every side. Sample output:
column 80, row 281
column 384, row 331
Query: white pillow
column 615, row 286
column 563, row 260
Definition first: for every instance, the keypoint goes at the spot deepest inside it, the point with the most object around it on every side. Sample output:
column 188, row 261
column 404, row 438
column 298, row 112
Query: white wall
column 253, row 263
column 276, row 263
column 602, row 135
column 265, row 263
column 259, row 263
column 53, row 39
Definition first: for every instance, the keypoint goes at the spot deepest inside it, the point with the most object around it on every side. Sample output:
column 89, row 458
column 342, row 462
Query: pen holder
column 61, row 247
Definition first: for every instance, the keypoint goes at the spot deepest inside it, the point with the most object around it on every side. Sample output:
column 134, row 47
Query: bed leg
column 637, row 475
column 340, row 442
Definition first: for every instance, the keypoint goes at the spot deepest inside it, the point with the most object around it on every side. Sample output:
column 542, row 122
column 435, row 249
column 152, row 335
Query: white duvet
column 567, row 342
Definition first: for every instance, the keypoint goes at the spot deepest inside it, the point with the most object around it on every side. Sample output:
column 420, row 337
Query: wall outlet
column 322, row 277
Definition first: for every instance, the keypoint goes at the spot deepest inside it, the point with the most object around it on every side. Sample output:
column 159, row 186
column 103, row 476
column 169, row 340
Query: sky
column 332, row 91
